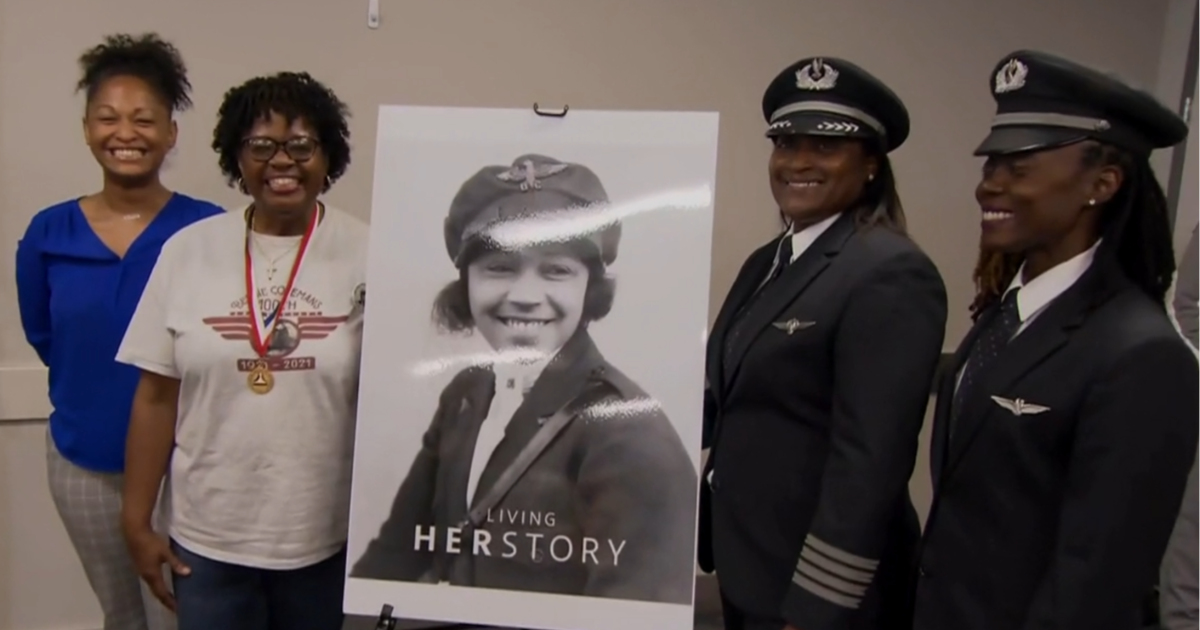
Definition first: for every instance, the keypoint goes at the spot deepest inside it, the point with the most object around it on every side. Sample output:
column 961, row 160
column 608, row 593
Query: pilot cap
column 1044, row 101
column 827, row 96
column 538, row 191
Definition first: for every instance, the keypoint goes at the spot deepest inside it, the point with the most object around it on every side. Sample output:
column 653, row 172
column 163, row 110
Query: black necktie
column 783, row 259
column 987, row 347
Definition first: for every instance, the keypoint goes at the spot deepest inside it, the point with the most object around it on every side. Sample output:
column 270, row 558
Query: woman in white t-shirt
column 251, row 402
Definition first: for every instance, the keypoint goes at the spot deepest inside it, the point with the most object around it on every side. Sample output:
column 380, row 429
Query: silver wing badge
column 792, row 325
column 1019, row 407
column 529, row 173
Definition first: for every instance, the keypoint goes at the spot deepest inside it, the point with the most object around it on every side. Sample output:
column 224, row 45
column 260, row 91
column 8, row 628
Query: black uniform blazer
column 813, row 418
column 1054, row 500
column 624, row 481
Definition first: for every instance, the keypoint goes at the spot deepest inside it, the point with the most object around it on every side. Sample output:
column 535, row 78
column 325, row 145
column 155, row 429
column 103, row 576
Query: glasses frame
column 285, row 146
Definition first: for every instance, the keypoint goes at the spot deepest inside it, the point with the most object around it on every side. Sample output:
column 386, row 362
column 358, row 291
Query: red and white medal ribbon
column 262, row 328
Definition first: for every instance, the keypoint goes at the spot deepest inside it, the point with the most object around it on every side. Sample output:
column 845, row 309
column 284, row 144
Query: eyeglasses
column 300, row 148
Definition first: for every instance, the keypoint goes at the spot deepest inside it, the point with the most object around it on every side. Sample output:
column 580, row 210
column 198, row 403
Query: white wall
column 669, row 54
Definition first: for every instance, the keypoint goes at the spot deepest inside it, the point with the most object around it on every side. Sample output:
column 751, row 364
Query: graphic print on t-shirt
column 301, row 319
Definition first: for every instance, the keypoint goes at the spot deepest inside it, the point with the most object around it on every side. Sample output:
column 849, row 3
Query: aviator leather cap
column 535, row 191
column 1044, row 101
column 828, row 96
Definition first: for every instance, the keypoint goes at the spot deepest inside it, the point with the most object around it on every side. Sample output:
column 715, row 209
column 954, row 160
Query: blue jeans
column 217, row 595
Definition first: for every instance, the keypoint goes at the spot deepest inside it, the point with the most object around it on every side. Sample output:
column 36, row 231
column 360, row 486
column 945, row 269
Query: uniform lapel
column 1041, row 339
column 563, row 379
column 784, row 290
column 757, row 266
column 944, row 402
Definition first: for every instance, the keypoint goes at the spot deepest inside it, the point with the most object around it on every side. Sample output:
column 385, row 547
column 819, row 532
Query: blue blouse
column 76, row 298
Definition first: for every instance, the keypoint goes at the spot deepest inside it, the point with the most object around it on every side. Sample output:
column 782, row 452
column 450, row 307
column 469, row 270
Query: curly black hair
column 291, row 95
column 147, row 57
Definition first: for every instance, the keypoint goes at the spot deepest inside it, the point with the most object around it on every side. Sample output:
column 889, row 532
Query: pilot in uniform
column 819, row 369
column 1064, row 434
column 576, row 476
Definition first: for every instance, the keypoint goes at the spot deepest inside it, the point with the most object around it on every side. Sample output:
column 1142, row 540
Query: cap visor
column 816, row 124
column 1004, row 140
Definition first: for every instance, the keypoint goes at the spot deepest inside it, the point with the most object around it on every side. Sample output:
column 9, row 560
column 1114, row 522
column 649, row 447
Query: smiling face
column 129, row 129
column 1044, row 204
column 815, row 177
column 282, row 165
column 533, row 298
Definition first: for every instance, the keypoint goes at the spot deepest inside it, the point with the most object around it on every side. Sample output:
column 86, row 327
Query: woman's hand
column 150, row 551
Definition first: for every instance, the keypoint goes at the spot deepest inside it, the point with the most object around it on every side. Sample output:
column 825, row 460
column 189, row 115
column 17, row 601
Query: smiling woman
column 82, row 265
column 533, row 298
column 284, row 140
column 595, row 486
column 1072, row 402
column 818, row 372
column 247, row 397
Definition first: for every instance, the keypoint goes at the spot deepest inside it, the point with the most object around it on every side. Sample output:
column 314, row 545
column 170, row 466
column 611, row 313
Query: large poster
column 529, row 421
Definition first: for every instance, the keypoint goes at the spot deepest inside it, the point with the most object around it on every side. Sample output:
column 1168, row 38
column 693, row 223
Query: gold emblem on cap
column 529, row 174
column 816, row 75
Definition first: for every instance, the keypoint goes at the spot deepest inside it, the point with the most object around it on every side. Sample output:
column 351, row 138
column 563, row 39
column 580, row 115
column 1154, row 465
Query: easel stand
column 386, row 621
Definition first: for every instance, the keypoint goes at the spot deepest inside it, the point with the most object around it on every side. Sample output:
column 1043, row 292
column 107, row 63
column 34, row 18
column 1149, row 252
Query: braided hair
column 292, row 95
column 1134, row 224
column 147, row 57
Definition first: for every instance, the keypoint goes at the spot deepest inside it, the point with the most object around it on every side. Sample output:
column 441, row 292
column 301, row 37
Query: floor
column 708, row 613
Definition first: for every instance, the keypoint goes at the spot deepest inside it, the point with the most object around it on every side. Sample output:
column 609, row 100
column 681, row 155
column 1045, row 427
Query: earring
column 871, row 177
column 1091, row 202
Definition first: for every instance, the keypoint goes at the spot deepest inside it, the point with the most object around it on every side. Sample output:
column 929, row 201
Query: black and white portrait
column 529, row 418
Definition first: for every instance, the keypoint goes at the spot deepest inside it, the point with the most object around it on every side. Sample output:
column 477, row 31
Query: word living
column 512, row 542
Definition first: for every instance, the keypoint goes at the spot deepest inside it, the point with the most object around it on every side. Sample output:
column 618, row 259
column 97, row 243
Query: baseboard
column 23, row 394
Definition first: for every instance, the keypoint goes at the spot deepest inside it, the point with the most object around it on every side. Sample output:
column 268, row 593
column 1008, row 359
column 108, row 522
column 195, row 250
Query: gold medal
column 261, row 381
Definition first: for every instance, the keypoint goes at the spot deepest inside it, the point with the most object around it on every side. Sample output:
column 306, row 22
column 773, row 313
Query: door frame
column 1186, row 110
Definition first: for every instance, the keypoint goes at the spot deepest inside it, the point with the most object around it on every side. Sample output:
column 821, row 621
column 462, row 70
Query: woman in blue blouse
column 80, row 269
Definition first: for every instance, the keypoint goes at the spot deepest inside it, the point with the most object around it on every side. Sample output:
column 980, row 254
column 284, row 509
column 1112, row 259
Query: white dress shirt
column 802, row 240
column 1037, row 294
column 513, row 381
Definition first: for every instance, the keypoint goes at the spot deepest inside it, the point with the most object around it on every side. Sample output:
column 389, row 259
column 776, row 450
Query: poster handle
column 550, row 113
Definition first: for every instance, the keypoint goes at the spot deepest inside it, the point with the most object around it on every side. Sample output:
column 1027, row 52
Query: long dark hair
column 1135, row 226
column 880, row 204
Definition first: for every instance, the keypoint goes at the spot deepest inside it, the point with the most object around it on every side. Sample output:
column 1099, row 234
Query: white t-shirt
column 260, row 480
